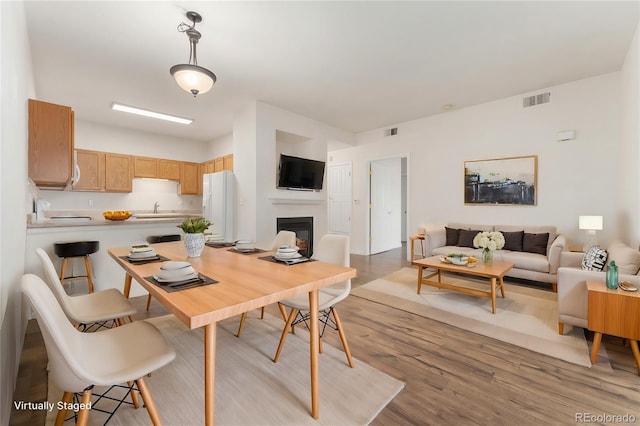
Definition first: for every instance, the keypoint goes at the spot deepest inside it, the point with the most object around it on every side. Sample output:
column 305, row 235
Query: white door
column 385, row 218
column 339, row 193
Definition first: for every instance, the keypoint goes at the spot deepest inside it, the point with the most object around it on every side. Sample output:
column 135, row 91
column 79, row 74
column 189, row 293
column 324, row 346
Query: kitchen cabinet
column 50, row 144
column 169, row 169
column 218, row 165
column 190, row 178
column 91, row 165
column 208, row 167
column 145, row 167
column 118, row 172
column 227, row 162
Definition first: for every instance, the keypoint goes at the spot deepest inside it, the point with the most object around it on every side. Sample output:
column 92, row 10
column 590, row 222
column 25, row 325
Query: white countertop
column 62, row 219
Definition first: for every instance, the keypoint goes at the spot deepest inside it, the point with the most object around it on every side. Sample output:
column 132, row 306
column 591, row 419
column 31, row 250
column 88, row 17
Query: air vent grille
column 391, row 132
column 541, row 98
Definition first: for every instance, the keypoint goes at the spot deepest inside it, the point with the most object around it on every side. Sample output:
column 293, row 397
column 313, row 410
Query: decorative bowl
column 458, row 260
column 117, row 215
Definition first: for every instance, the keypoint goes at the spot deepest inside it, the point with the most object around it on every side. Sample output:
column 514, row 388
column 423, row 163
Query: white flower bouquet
column 489, row 240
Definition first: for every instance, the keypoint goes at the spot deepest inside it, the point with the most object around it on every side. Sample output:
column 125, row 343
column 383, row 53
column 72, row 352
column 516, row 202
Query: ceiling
column 353, row 65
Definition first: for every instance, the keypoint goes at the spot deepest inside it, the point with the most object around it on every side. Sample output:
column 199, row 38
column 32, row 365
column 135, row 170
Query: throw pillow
column 453, row 235
column 627, row 259
column 466, row 238
column 513, row 240
column 594, row 259
column 535, row 243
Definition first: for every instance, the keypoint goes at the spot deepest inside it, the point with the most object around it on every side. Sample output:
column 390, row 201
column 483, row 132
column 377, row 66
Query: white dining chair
column 283, row 238
column 331, row 249
column 93, row 310
column 79, row 361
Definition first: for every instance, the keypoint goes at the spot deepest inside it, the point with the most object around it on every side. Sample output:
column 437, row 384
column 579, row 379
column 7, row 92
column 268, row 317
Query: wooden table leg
column 209, row 372
column 314, row 347
column 597, row 338
column 127, row 285
column 502, row 287
column 636, row 353
column 419, row 278
column 493, row 295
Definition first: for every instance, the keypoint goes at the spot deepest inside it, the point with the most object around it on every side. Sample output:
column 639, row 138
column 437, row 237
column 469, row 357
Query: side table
column 412, row 239
column 614, row 312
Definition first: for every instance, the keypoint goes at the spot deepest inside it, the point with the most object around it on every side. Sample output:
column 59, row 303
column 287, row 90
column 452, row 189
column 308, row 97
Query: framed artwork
column 501, row 181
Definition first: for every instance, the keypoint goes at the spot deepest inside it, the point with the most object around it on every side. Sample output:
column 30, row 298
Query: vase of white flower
column 488, row 242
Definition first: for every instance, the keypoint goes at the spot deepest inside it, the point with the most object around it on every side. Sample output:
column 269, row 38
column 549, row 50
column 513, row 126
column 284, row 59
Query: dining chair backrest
column 284, row 238
column 61, row 339
column 53, row 281
column 334, row 248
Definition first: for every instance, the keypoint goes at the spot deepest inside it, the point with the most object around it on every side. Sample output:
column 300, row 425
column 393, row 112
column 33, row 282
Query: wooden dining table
column 245, row 282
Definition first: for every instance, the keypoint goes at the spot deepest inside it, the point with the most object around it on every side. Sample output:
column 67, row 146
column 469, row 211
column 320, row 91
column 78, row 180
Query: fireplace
column 303, row 227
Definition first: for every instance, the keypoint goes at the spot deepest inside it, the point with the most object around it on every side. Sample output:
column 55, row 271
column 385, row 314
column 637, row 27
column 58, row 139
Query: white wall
column 16, row 86
column 629, row 177
column 220, row 147
column 574, row 178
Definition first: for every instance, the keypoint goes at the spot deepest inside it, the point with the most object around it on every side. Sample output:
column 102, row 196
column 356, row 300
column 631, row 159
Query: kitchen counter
column 75, row 219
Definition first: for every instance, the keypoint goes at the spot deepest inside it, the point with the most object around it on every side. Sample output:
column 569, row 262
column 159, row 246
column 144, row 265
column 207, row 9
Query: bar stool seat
column 70, row 250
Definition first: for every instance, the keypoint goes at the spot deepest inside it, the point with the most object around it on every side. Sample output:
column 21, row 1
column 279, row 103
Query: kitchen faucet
column 155, row 207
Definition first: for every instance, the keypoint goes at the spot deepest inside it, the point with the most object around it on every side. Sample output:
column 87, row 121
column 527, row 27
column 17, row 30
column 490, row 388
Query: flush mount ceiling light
column 191, row 77
column 152, row 114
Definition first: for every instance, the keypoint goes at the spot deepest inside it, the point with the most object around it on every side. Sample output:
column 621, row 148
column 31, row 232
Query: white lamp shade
column 193, row 78
column 593, row 223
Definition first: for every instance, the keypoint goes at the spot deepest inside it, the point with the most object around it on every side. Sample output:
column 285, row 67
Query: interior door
column 385, row 205
column 339, row 193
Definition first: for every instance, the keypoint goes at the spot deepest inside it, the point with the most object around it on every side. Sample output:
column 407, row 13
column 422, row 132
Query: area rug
column 526, row 317
column 250, row 388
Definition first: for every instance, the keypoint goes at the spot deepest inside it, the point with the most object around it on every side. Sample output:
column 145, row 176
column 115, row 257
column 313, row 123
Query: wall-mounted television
column 300, row 173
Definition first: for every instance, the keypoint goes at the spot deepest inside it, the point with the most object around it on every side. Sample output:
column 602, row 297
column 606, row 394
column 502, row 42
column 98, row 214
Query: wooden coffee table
column 494, row 271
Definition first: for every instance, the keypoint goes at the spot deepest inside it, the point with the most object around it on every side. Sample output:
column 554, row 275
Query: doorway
column 387, row 204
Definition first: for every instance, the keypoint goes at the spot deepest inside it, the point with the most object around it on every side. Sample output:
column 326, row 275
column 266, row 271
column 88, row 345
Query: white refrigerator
column 218, row 201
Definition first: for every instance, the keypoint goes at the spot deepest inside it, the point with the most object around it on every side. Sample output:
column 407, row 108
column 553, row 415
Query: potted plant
column 194, row 228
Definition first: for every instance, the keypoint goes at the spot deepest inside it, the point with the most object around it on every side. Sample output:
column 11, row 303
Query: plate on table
column 287, row 249
column 458, row 260
column 627, row 286
column 287, row 256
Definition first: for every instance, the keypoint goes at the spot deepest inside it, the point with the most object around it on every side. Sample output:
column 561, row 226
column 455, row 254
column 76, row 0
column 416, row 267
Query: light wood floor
column 451, row 376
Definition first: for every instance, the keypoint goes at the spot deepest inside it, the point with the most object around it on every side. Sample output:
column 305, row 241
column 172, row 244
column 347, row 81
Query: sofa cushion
column 466, row 237
column 532, row 229
column 627, row 259
column 535, row 243
column 594, row 259
column 452, row 236
column 513, row 240
column 523, row 260
column 447, row 250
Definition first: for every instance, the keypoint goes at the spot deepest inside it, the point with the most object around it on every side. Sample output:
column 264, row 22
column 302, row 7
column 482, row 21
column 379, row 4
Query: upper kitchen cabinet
column 218, row 165
column 169, row 169
column 91, row 165
column 145, row 167
column 227, row 162
column 118, row 172
column 190, row 178
column 50, row 144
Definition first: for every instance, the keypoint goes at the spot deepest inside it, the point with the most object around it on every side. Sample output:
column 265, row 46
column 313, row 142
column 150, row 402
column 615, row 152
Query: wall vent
column 391, row 132
column 541, row 98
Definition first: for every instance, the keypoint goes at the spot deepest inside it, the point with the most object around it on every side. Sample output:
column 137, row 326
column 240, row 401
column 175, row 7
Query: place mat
column 202, row 280
column 219, row 245
column 254, row 251
column 158, row 258
column 288, row 262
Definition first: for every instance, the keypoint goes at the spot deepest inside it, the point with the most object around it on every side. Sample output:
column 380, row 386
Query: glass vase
column 487, row 256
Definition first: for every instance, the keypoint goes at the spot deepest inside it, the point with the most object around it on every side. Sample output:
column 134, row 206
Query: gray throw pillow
column 452, row 236
column 594, row 259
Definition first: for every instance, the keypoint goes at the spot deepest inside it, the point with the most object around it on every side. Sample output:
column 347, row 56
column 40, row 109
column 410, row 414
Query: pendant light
column 191, row 77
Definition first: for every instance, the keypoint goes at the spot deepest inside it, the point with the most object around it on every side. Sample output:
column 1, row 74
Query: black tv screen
column 300, row 173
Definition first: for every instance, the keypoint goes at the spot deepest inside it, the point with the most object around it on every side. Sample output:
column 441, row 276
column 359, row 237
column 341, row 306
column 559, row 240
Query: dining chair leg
column 262, row 313
column 66, row 400
column 83, row 414
column 242, row 318
column 283, row 311
column 148, row 402
column 343, row 338
column 148, row 301
column 134, row 396
column 285, row 331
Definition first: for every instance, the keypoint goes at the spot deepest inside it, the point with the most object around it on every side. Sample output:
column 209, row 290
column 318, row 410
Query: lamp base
column 589, row 240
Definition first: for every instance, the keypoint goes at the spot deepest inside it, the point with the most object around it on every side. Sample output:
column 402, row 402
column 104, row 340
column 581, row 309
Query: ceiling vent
column 542, row 98
column 391, row 132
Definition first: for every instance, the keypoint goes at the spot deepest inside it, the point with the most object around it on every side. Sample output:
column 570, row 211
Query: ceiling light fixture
column 152, row 114
column 192, row 77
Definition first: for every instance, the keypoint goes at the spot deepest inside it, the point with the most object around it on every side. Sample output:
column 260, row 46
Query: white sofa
column 529, row 266
column 572, row 281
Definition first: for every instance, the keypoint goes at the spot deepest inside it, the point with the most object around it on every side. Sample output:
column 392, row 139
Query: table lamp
column 590, row 224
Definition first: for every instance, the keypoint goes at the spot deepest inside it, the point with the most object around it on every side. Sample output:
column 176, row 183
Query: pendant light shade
column 191, row 77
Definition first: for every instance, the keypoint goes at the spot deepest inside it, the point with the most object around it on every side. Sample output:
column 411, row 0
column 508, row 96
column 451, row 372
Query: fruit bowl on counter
column 117, row 215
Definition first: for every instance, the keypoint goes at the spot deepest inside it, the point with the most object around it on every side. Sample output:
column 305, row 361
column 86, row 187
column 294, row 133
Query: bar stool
column 70, row 250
